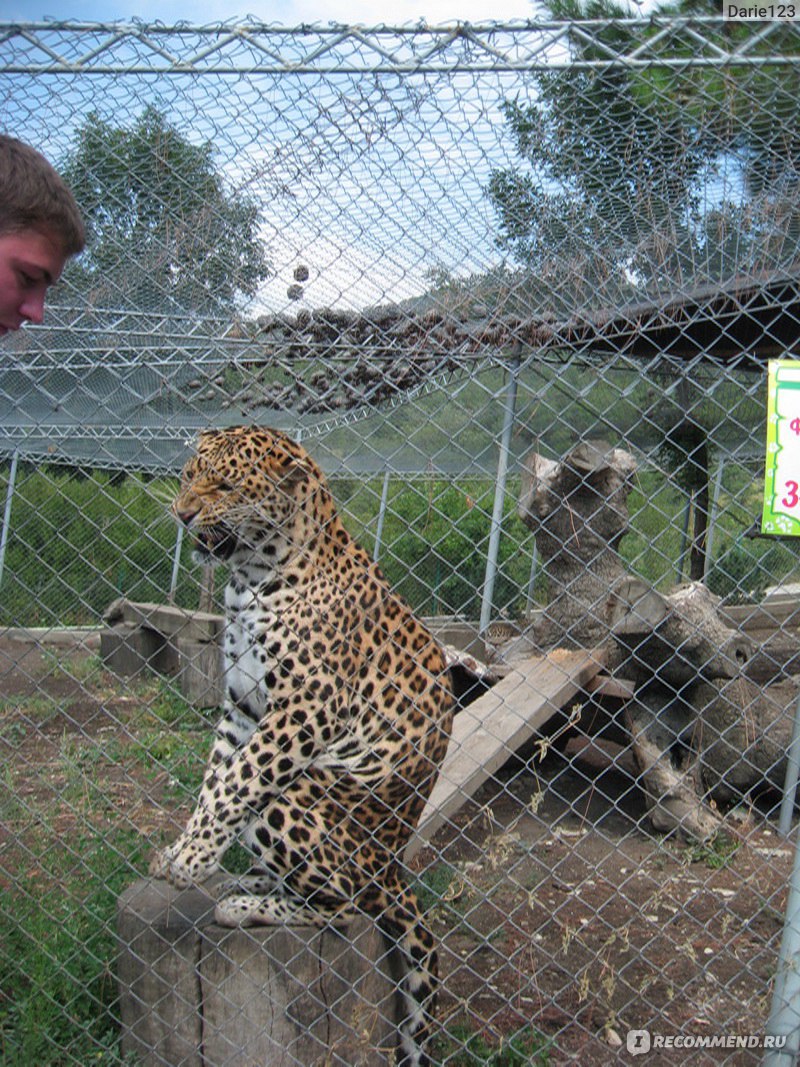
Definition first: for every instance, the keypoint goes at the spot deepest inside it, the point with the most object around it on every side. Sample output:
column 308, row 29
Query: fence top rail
column 251, row 47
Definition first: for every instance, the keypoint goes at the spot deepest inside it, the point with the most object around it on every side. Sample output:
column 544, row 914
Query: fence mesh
column 515, row 288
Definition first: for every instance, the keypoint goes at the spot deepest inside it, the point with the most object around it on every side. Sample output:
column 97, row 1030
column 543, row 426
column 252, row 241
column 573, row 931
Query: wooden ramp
column 489, row 730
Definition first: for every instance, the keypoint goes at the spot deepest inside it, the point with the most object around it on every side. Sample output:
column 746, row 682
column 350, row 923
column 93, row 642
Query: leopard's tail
column 401, row 922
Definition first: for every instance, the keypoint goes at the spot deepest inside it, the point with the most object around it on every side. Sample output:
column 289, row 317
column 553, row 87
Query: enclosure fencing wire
column 515, row 288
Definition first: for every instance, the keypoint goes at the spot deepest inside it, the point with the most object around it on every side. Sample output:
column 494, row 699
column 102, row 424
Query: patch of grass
column 162, row 703
column 12, row 808
column 181, row 754
column 464, row 1048
column 716, row 853
column 75, row 667
column 58, row 998
column 81, row 762
column 33, row 709
column 238, row 859
column 13, row 733
column 435, row 886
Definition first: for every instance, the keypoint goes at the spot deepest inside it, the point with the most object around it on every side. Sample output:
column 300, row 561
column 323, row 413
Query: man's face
column 30, row 262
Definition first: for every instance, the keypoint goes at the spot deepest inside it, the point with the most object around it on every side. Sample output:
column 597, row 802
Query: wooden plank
column 172, row 621
column 780, row 613
column 489, row 730
column 603, row 685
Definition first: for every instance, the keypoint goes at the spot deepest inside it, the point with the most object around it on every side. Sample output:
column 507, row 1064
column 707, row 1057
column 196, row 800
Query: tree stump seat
column 196, row 994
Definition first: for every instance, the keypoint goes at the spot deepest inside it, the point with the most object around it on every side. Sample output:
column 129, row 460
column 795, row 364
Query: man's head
column 40, row 228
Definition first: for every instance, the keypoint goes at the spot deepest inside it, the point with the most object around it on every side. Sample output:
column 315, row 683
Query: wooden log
column 200, row 672
column 200, row 995
column 330, row 998
column 674, row 803
column 600, row 754
column 578, row 511
column 677, row 639
column 744, row 734
column 768, row 616
column 130, row 650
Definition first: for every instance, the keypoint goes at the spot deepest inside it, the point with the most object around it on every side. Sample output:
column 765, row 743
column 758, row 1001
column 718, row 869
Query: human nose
column 32, row 307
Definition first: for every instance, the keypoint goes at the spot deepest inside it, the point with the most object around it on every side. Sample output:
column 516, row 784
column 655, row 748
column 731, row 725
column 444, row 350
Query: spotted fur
column 336, row 718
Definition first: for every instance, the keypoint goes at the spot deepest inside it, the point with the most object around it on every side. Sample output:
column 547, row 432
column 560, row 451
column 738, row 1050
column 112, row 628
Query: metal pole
column 791, row 776
column 176, row 563
column 784, row 1019
column 381, row 516
column 685, row 535
column 713, row 516
column 499, row 496
column 531, row 582
column 12, row 477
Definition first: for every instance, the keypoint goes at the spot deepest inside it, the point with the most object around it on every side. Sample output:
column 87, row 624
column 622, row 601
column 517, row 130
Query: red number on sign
column 792, row 497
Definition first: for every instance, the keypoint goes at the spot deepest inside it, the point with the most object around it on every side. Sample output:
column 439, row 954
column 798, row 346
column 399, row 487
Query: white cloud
column 342, row 275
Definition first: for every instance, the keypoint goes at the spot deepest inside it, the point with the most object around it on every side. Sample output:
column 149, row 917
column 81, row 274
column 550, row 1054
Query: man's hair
column 34, row 197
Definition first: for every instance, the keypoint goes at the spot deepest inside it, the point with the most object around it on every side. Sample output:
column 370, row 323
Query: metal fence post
column 784, row 1018
column 381, row 516
column 176, row 564
column 499, row 495
column 792, row 774
column 12, row 477
column 685, row 538
column 714, row 511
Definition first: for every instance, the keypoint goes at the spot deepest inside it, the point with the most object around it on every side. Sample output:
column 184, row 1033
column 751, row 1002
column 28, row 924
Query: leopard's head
column 246, row 487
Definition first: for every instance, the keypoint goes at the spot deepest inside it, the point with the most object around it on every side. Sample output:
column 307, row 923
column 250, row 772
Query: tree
column 602, row 203
column 642, row 180
column 164, row 233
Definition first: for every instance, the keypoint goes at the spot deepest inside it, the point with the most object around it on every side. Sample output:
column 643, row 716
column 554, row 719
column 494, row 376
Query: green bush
column 77, row 542
column 435, row 543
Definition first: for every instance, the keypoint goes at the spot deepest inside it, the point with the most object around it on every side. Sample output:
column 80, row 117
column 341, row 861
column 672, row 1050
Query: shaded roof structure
column 298, row 372
column 755, row 318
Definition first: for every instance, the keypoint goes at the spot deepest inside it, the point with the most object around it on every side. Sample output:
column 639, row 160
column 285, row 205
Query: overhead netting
column 515, row 287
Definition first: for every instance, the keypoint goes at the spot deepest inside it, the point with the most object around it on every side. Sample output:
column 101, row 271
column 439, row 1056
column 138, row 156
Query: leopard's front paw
column 182, row 864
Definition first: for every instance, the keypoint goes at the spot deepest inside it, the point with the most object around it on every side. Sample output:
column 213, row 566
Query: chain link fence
column 515, row 288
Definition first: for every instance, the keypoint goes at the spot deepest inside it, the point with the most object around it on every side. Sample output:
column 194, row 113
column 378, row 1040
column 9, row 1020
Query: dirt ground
column 558, row 912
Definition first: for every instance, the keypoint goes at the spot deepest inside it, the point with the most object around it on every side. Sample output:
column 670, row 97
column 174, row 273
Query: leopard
column 337, row 713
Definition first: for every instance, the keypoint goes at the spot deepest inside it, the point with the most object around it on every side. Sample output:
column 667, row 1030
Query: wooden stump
column 200, row 995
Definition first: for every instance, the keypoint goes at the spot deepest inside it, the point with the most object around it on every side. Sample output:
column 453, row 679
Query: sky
column 373, row 252
column 281, row 12
column 348, row 257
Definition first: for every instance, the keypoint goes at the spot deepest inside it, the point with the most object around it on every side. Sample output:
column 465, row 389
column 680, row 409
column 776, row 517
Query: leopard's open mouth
column 217, row 541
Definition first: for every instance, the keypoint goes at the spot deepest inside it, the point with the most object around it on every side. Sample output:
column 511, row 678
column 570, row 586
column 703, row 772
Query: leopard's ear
column 290, row 461
column 295, row 470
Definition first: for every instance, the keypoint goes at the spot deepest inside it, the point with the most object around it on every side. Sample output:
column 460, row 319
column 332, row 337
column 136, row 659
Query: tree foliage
column 633, row 181
column 164, row 232
column 642, row 181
